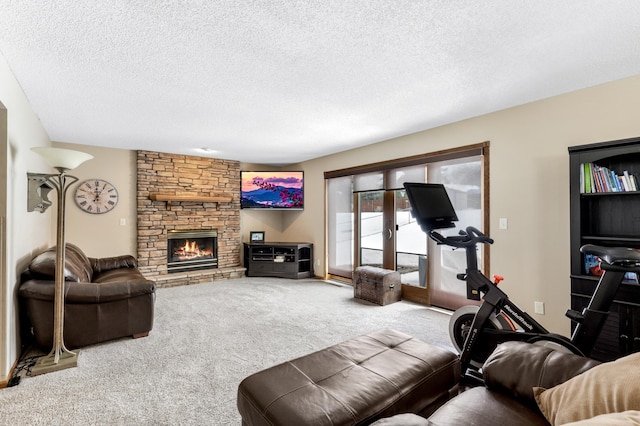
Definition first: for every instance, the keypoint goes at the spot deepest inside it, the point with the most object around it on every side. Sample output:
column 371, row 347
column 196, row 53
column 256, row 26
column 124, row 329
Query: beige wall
column 24, row 233
column 112, row 233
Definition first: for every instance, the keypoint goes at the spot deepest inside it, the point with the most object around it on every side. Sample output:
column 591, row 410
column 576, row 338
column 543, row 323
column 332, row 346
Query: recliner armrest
column 517, row 367
column 109, row 263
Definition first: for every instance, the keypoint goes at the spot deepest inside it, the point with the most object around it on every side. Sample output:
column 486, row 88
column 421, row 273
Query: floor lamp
column 62, row 160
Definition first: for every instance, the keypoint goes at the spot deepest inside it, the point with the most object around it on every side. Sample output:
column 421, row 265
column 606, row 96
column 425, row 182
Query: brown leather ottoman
column 352, row 383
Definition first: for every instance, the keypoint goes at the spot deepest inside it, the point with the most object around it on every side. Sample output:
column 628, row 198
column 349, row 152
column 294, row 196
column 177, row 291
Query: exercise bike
column 476, row 331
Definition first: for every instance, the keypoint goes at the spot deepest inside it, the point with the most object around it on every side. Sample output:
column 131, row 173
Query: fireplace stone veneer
column 180, row 175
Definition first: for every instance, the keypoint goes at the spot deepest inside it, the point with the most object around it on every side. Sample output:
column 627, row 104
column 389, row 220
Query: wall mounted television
column 272, row 190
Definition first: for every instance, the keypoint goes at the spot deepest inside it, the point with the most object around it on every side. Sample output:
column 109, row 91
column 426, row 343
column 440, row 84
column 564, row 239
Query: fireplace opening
column 191, row 250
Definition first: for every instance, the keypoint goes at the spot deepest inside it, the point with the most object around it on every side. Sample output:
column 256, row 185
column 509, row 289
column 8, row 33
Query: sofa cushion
column 77, row 266
column 118, row 275
column 87, row 293
column 480, row 406
column 536, row 366
column 607, row 388
column 109, row 263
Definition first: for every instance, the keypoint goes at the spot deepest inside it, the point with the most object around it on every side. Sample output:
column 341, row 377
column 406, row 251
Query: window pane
column 368, row 182
column 340, row 226
column 371, row 228
column 462, row 179
column 407, row 174
column 411, row 243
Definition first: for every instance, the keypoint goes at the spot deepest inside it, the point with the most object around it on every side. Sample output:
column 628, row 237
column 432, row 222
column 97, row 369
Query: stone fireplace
column 178, row 195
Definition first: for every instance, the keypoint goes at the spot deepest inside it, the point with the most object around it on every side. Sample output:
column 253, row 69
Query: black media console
column 285, row 260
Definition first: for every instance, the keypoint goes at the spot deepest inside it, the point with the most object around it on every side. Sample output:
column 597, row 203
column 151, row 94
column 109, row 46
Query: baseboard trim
column 5, row 382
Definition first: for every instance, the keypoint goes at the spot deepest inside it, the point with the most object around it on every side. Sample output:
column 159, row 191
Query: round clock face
column 96, row 196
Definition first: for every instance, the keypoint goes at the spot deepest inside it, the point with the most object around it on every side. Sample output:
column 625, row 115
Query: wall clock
column 96, row 196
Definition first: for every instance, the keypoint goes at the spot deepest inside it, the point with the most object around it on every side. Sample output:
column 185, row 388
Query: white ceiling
column 282, row 81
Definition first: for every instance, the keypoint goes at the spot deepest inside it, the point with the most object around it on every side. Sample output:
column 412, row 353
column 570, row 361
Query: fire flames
column 190, row 250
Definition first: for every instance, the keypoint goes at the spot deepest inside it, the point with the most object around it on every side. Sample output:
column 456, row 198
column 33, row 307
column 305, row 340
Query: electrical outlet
column 539, row 308
column 504, row 224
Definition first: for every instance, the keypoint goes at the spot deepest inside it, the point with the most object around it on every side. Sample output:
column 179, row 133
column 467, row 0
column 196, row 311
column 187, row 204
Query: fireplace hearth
column 192, row 250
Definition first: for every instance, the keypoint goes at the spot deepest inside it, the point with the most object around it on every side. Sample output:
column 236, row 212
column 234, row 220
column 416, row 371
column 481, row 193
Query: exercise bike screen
column 431, row 205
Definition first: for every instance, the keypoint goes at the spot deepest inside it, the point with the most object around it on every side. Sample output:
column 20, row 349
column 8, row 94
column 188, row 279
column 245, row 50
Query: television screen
column 272, row 190
column 431, row 205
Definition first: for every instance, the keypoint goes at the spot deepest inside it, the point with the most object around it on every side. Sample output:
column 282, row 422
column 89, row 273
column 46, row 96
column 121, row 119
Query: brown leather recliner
column 510, row 374
column 106, row 298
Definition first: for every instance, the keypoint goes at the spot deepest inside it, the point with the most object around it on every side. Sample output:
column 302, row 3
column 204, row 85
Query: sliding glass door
column 385, row 234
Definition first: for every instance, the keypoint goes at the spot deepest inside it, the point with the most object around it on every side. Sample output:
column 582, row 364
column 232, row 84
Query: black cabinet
column 608, row 217
column 286, row 260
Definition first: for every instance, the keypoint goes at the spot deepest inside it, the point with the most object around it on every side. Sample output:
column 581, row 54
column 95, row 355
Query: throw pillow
column 612, row 387
column 626, row 418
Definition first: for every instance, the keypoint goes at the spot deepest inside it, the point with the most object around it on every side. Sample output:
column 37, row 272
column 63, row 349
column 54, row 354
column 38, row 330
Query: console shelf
column 285, row 260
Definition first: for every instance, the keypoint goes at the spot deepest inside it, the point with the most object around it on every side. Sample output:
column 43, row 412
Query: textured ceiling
column 282, row 81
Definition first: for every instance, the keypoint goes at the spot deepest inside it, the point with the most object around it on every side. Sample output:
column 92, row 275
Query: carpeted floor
column 206, row 339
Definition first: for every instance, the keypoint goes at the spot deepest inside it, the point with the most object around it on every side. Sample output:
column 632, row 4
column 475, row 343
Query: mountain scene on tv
column 282, row 190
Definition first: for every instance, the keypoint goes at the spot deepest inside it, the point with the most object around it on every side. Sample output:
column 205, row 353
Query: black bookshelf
column 610, row 217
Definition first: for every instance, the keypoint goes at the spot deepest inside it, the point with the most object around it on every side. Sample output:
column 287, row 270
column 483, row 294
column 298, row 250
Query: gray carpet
column 206, row 339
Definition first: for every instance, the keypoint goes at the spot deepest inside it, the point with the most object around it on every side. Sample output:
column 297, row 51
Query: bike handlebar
column 467, row 238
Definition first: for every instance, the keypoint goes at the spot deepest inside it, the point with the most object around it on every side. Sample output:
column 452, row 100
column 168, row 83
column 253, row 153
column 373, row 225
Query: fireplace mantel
column 192, row 198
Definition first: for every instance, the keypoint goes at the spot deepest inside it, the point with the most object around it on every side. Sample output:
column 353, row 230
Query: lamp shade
column 62, row 158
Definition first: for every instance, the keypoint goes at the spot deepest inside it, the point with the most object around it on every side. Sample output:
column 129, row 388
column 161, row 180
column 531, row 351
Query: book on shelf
column 592, row 267
column 595, row 178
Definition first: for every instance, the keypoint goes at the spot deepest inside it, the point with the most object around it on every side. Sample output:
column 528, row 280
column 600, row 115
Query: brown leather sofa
column 106, row 298
column 511, row 373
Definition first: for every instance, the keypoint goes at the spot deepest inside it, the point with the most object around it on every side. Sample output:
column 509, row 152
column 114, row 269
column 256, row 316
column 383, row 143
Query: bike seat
column 613, row 255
